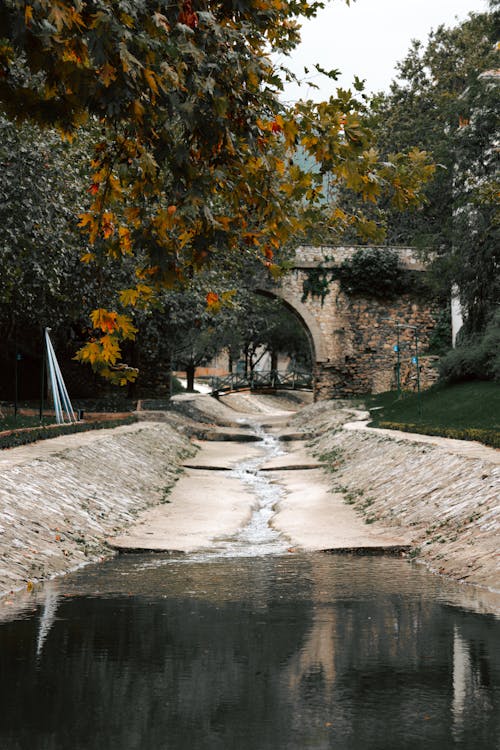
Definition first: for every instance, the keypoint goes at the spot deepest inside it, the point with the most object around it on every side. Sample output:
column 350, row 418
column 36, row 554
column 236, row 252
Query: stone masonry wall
column 358, row 334
column 365, row 360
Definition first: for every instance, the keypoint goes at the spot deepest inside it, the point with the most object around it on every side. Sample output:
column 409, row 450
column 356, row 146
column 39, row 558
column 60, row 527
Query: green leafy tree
column 446, row 102
column 425, row 108
column 475, row 255
column 43, row 185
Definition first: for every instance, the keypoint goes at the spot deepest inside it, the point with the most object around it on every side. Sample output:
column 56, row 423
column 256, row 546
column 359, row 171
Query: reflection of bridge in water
column 259, row 380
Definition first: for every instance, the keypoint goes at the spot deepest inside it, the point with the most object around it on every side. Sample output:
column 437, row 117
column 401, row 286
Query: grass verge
column 466, row 411
column 23, row 436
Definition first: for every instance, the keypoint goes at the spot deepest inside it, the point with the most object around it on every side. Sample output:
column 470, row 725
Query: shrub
column 475, row 360
column 374, row 272
column 177, row 386
column 19, row 437
column 487, row 437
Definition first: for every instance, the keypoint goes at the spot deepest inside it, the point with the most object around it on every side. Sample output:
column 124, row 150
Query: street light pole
column 418, row 373
column 398, row 362
column 397, row 349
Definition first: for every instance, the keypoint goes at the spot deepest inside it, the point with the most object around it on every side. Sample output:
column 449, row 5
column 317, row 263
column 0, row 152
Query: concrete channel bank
column 61, row 500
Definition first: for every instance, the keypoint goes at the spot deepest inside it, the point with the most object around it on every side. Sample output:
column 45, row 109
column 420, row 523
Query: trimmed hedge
column 27, row 435
column 487, row 437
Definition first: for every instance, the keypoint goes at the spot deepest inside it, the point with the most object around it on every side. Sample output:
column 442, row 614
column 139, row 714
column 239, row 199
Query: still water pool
column 277, row 652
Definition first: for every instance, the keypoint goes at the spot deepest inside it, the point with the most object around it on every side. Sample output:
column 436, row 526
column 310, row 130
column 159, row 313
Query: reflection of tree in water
column 264, row 654
column 474, row 677
column 376, row 669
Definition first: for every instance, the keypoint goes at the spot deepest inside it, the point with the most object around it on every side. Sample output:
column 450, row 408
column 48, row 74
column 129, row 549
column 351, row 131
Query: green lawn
column 464, row 410
column 9, row 422
column 21, row 436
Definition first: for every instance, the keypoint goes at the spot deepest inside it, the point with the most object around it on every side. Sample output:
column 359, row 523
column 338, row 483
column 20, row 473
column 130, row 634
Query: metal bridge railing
column 261, row 379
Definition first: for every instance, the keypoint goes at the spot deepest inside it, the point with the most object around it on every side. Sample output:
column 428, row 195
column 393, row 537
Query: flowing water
column 248, row 646
column 257, row 537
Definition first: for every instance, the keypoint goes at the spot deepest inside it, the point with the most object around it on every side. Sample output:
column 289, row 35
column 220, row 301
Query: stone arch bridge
column 353, row 336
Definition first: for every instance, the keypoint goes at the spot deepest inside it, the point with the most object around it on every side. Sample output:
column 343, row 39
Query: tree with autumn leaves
column 195, row 155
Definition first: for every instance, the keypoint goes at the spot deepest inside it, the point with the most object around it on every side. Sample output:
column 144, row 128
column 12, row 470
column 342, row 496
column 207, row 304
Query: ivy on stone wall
column 317, row 282
column 371, row 272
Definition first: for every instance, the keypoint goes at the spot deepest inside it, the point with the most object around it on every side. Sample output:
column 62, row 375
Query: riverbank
column 344, row 489
column 443, row 493
column 61, row 498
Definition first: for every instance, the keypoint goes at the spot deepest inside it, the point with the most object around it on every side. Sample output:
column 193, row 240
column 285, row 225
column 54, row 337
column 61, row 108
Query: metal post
column 398, row 361
column 53, row 381
column 418, row 373
column 42, row 379
column 16, row 360
column 59, row 392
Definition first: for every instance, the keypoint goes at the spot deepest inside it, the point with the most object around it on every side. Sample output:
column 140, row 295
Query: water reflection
column 261, row 654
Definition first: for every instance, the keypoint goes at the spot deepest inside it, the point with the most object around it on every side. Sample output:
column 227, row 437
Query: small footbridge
column 262, row 380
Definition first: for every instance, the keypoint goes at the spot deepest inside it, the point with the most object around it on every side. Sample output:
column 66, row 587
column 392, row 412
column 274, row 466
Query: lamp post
column 397, row 349
column 414, row 359
column 18, row 358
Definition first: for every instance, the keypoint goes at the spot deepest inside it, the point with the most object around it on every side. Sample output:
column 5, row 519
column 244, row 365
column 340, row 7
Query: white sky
column 367, row 39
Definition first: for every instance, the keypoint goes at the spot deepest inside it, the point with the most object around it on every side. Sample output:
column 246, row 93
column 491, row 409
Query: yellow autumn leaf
column 125, row 326
column 138, row 109
column 227, row 297
column 90, row 352
column 85, row 219
column 127, row 20
column 119, row 374
column 128, row 297
column 185, row 238
column 107, row 74
column 110, row 348
column 290, row 131
column 125, row 240
column 150, row 77
column 103, row 319
column 133, row 216
column 280, row 167
column 114, row 187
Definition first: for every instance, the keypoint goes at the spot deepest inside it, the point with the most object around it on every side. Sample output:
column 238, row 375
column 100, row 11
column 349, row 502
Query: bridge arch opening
column 305, row 318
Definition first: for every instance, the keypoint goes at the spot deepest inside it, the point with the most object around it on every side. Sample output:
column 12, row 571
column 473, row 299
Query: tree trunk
column 190, row 370
column 274, row 360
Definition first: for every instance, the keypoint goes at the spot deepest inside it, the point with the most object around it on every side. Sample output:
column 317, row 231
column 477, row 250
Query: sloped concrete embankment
column 445, row 494
column 60, row 498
